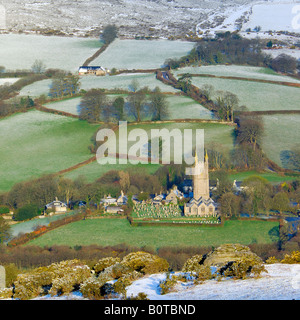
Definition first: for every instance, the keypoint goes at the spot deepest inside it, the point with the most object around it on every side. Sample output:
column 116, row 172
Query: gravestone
column 2, row 277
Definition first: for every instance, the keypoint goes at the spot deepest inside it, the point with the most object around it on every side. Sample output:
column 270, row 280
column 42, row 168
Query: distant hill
column 139, row 17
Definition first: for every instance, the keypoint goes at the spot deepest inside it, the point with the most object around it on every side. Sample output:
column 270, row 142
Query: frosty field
column 9, row 81
column 36, row 89
column 142, row 54
column 179, row 107
column 238, row 71
column 19, row 51
column 256, row 96
column 124, row 81
column 281, row 134
column 67, row 105
column 36, row 143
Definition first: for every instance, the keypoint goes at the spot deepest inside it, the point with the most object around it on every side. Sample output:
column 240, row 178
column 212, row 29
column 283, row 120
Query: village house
column 174, row 195
column 56, row 206
column 91, row 70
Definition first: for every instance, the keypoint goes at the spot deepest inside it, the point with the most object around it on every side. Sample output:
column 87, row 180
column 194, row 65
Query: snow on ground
column 282, row 282
column 278, row 16
column 8, row 81
column 291, row 52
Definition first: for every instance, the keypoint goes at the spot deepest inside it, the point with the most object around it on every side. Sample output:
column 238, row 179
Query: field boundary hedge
column 24, row 238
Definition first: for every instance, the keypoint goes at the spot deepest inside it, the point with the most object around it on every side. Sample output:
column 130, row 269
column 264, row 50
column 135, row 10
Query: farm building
column 91, row 70
column 56, row 206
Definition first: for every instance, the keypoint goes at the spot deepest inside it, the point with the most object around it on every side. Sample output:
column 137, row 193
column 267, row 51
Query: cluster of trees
column 285, row 64
column 225, row 48
column 15, row 105
column 232, row 48
column 258, row 196
column 140, row 104
column 109, row 34
column 38, row 193
column 64, row 85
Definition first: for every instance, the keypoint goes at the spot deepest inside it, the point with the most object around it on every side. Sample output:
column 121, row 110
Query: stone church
column 201, row 204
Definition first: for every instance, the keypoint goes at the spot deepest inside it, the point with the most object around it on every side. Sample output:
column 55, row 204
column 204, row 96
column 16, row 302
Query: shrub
column 145, row 263
column 56, row 279
column 28, row 211
column 4, row 209
column 125, row 281
column 193, row 264
column 11, row 274
column 6, row 293
column 140, row 296
column 91, row 287
column 272, row 260
column 29, row 286
column 242, row 269
column 118, row 270
column 105, row 263
column 294, row 257
column 202, row 273
column 167, row 285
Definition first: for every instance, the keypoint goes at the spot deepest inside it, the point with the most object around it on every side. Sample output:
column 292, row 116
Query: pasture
column 19, row 51
column 254, row 95
column 37, row 143
column 281, row 134
column 93, row 171
column 124, row 81
column 179, row 107
column 141, row 54
column 237, row 71
column 109, row 232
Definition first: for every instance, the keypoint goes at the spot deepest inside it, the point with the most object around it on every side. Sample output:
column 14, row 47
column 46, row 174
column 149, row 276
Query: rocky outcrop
column 230, row 253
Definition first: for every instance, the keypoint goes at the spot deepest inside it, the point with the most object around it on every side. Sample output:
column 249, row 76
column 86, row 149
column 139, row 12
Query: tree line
column 231, row 48
column 140, row 104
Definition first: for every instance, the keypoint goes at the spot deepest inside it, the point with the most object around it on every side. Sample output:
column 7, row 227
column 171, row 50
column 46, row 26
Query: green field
column 37, row 143
column 94, row 170
column 108, row 232
column 271, row 177
column 213, row 132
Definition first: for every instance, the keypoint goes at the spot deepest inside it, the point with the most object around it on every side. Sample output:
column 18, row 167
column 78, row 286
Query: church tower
column 201, row 178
